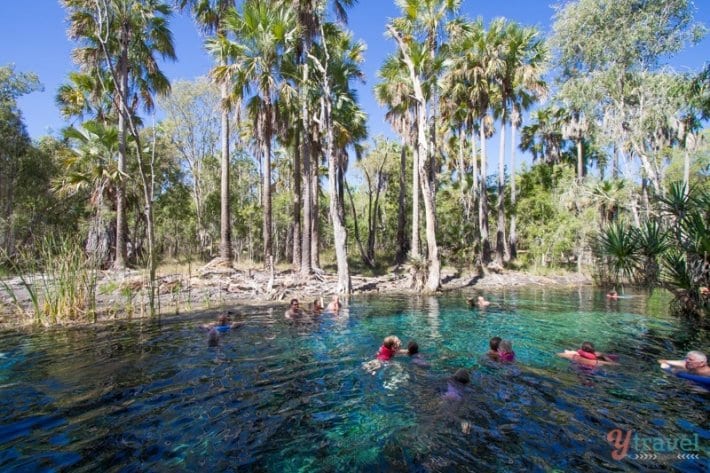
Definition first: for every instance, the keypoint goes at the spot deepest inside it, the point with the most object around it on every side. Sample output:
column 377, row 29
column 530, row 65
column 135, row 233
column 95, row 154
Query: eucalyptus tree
column 260, row 37
column 14, row 144
column 608, row 43
column 210, row 14
column 123, row 38
column 192, row 124
column 337, row 61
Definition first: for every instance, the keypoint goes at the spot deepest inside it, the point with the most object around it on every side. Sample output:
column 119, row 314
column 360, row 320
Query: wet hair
column 390, row 341
column 412, row 348
column 293, row 300
column 223, row 318
column 699, row 356
column 506, row 346
column 588, row 347
column 462, row 376
column 494, row 343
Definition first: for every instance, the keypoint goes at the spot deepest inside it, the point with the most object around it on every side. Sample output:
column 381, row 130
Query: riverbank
column 123, row 294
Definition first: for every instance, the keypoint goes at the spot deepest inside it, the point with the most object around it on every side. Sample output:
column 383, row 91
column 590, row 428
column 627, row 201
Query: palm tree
column 262, row 37
column 525, row 61
column 417, row 36
column 210, row 14
column 122, row 37
column 91, row 165
column 395, row 91
column 337, row 62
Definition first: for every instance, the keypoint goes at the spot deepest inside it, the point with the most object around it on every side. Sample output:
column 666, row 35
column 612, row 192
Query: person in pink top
column 390, row 347
column 505, row 351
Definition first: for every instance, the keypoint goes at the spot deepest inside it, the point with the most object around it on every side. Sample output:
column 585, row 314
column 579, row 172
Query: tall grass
column 59, row 279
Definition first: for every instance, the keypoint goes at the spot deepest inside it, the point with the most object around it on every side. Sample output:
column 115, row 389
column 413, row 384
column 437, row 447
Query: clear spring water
column 273, row 396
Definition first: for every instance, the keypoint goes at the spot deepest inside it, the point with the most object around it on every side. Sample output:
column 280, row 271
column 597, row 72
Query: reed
column 60, row 282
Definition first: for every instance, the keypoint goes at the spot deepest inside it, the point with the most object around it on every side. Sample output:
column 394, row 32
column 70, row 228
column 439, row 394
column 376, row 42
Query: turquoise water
column 274, row 396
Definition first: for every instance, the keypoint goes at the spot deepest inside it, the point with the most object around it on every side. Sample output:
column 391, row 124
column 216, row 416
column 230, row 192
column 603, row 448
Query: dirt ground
column 121, row 292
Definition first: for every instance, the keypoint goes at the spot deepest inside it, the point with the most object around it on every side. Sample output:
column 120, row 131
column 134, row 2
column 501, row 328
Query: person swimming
column 334, row 304
column 586, row 355
column 455, row 385
column 493, row 353
column 224, row 323
column 294, row 310
column 390, row 347
column 415, row 356
column 479, row 302
column 505, row 351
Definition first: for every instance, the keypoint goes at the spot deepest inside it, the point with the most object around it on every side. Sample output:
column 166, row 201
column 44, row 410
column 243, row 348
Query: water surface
column 278, row 396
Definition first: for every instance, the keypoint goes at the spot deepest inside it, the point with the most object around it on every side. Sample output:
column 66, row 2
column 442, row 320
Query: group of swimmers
column 694, row 367
column 295, row 311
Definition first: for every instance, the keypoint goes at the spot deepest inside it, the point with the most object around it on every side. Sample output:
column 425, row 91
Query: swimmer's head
column 587, row 347
column 392, row 342
column 506, row 346
column 412, row 348
column 494, row 343
column 462, row 376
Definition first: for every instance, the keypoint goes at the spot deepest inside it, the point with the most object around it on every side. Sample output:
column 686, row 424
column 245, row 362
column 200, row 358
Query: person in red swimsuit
column 390, row 347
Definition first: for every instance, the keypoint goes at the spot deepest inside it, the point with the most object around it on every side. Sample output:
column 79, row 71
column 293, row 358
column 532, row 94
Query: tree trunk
column 580, row 160
column 474, row 171
column 120, row 257
column 339, row 232
column 415, row 197
column 266, row 156
column 512, row 237
column 296, row 198
column 500, row 227
column 306, row 266
column 315, row 217
column 402, row 249
column 483, row 203
column 225, row 234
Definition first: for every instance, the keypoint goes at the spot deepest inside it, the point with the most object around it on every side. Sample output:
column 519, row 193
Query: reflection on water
column 274, row 396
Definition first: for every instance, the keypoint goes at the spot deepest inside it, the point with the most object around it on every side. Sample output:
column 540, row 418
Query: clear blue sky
column 33, row 37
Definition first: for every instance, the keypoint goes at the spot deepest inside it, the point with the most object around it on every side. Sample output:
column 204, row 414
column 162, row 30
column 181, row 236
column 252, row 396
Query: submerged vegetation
column 266, row 159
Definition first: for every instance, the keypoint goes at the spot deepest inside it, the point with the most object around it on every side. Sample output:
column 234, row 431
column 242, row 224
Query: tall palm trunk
column 120, row 259
column 225, row 240
column 306, row 265
column 315, row 216
column 474, row 171
column 483, row 202
column 296, row 198
column 500, row 227
column 512, row 236
column 265, row 126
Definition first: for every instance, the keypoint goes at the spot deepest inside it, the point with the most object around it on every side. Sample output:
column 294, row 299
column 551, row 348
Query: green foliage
column 620, row 245
column 60, row 281
column 650, row 255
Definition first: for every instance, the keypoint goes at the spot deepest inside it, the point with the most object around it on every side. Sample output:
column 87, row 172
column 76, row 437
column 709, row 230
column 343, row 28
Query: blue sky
column 33, row 35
